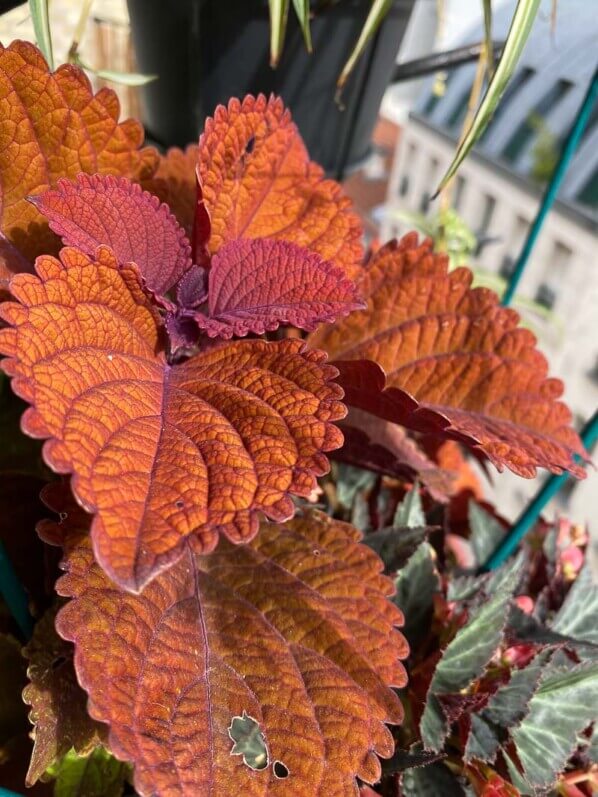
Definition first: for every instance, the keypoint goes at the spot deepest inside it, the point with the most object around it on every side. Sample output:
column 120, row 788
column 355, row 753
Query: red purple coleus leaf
column 256, row 285
column 253, row 285
column 97, row 210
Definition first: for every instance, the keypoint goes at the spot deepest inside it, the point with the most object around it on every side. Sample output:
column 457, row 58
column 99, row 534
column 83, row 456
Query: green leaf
column 377, row 13
column 41, row 27
column 395, row 546
column 416, row 584
column 465, row 658
column 526, row 628
column 504, row 710
column 302, row 11
column 577, row 616
column 279, row 12
column 486, row 532
column 96, row 775
column 132, row 79
column 409, row 512
column 351, row 481
column 431, row 781
column 563, row 706
column 521, row 25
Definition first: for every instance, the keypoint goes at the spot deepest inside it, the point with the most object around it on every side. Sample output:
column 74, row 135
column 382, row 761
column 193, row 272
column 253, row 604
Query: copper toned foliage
column 450, row 361
column 258, row 181
column 161, row 452
column 58, row 704
column 294, row 629
column 54, row 126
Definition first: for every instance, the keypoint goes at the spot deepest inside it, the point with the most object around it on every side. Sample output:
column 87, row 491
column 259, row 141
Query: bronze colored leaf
column 52, row 126
column 258, row 182
column 451, row 362
column 161, row 452
column 292, row 633
column 58, row 711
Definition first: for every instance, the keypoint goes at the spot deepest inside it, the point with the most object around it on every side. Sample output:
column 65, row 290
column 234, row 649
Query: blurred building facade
column 497, row 192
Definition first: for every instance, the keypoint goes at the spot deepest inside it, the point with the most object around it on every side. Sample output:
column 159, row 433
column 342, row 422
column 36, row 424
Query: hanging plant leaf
column 521, row 25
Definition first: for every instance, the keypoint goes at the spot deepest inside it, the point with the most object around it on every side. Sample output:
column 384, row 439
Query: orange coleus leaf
column 258, row 182
column 52, row 126
column 288, row 641
column 161, row 452
column 58, row 704
column 95, row 210
column 451, row 361
column 256, row 285
column 175, row 183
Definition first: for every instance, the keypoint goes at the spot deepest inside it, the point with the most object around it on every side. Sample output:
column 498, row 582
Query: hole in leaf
column 63, row 516
column 179, row 504
column 280, row 770
column 248, row 741
column 250, row 145
column 58, row 662
column 316, row 552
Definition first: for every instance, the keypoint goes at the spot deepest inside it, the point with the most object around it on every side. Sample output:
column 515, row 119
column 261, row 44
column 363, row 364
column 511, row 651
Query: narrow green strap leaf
column 377, row 13
column 132, row 79
column 521, row 25
column 41, row 27
column 279, row 12
column 302, row 11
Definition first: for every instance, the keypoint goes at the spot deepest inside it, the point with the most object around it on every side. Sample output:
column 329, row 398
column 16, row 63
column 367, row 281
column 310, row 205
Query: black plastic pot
column 206, row 51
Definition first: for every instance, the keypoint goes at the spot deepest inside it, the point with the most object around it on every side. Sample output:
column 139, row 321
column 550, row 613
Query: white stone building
column 497, row 198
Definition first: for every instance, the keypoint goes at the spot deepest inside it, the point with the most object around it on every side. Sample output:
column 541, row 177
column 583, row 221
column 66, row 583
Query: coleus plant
column 223, row 644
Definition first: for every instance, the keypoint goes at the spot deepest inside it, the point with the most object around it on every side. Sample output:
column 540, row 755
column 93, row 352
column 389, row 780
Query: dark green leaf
column 351, row 481
column 486, row 532
column 504, row 710
column 431, row 781
column 409, row 511
column 563, row 706
column 416, row 584
column 578, row 616
column 395, row 545
column 409, row 759
column 466, row 656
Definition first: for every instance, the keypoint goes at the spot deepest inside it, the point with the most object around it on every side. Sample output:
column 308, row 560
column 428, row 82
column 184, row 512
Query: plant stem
column 532, row 512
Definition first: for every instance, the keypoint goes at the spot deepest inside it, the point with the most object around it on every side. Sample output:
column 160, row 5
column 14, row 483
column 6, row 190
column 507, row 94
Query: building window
column 527, row 129
column 459, row 190
column 593, row 372
column 507, row 267
column 515, row 85
column 545, row 296
column 425, row 202
column 589, row 192
column 484, row 223
column 404, row 185
column 457, row 115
